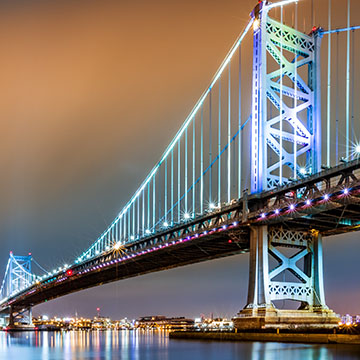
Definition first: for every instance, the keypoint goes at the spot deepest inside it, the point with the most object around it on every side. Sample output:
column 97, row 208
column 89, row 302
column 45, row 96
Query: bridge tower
column 286, row 144
column 286, row 116
column 18, row 276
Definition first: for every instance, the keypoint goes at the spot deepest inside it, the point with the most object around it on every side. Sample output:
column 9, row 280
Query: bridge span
column 328, row 203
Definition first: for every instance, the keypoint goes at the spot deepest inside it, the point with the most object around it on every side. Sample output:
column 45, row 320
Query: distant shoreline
column 309, row 338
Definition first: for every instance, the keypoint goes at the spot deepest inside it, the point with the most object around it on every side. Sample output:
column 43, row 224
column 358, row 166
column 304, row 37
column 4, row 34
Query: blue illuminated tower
column 286, row 117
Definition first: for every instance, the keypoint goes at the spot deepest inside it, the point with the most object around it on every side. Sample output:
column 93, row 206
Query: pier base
column 268, row 284
column 285, row 319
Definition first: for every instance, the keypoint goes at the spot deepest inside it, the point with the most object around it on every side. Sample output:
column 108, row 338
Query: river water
column 153, row 345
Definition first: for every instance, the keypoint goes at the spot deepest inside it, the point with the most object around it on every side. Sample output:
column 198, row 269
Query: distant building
column 162, row 322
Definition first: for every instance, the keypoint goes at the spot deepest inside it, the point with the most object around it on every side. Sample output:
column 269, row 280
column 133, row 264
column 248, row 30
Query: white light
column 256, row 24
column 96, row 252
column 346, row 191
column 117, row 246
column 132, row 237
column 357, row 149
column 292, row 207
column 277, row 211
column 308, row 202
column 65, row 266
column 212, row 206
column 147, row 231
column 186, row 216
column 166, row 224
column 302, row 171
column 326, row 197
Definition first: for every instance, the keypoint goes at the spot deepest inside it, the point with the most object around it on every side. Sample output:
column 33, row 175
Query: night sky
column 91, row 94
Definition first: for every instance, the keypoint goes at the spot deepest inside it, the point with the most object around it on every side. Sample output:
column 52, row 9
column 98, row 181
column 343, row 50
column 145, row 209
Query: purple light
column 308, row 202
column 263, row 216
column 346, row 191
column 292, row 207
column 277, row 211
column 326, row 197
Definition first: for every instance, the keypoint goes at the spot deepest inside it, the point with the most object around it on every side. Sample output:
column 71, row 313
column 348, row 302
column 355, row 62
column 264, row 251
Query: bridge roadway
column 328, row 202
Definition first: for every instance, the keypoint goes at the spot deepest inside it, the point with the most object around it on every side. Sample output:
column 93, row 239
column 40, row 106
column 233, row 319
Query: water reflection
column 153, row 345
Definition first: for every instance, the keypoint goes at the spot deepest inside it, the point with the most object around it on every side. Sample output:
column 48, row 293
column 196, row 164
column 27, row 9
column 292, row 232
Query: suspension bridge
column 266, row 162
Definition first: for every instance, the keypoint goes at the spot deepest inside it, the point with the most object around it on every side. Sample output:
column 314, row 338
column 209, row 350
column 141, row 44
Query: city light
column 346, row 191
column 357, row 149
column 166, row 224
column 147, row 231
column 117, row 246
column 186, row 216
column 326, row 197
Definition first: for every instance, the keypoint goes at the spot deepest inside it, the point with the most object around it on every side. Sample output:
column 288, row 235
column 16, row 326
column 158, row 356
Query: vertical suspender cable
column 202, row 160
column 133, row 219
column 337, row 101
column 154, row 201
column 295, row 101
column 229, row 137
column 239, row 129
column 219, row 147
column 121, row 229
column 186, row 171
column 125, row 226
column 210, row 154
column 148, row 206
column 352, row 89
column 172, row 187
column 328, row 118
column 143, row 212
column 179, row 183
column 165, row 197
column 348, row 84
column 193, row 168
column 281, row 98
column 138, row 216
